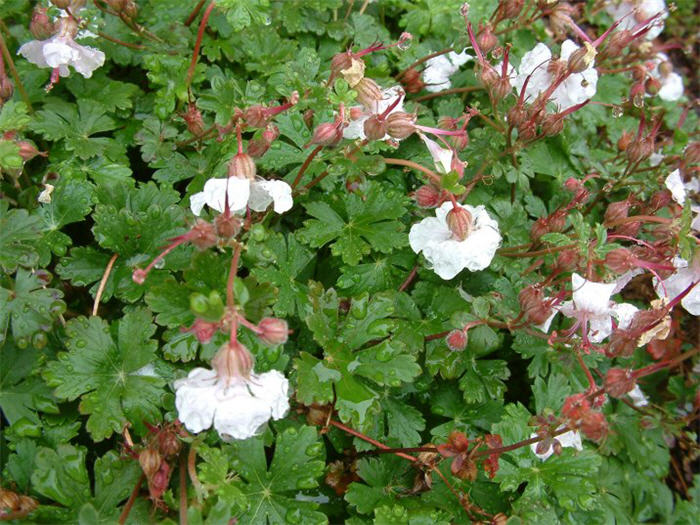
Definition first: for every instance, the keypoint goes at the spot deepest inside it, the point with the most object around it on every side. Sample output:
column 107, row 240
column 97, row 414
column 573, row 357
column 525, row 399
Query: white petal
column 568, row 439
column 442, row 157
column 355, row 129
column 264, row 192
column 637, row 396
column 671, row 87
column 599, row 328
column 34, row 52
column 215, row 191
column 445, row 258
column 625, row 278
column 624, row 312
column 544, row 327
column 195, row 399
column 459, row 59
column 591, row 297
column 426, row 233
column 272, row 387
column 197, row 202
column 239, row 415
column 88, row 59
column 567, row 48
column 674, row 184
column 148, row 370
column 437, row 73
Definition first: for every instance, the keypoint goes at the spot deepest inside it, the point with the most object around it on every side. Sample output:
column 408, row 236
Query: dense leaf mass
column 234, row 218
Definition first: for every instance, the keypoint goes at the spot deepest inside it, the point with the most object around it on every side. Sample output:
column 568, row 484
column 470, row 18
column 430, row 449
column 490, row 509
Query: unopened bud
column 625, row 140
column 575, row 406
column 617, row 43
column 375, row 128
column 428, row 196
column 511, row 8
column 459, row 222
column 552, row 125
column 41, row 25
column 582, row 58
column 620, row 260
column 692, row 153
column 486, row 39
column 203, row 330
column 400, row 125
column 652, row 86
column 619, row 382
column 150, row 461
column 61, row 4
column 327, row 134
column 340, row 61
column 9, row 501
column 273, row 331
column 257, row 147
column 203, row 235
column 489, row 77
column 457, row 340
column 527, row 131
column 232, row 361
column 459, row 142
column 193, row 119
column 6, row 89
column 659, row 199
column 242, row 165
column 616, row 211
column 594, row 425
column 568, row 260
column 516, row 115
column 28, row 151
column 501, row 88
column 557, row 221
column 117, row 5
column 412, row 82
column 639, row 150
column 169, row 443
column 539, row 228
column 227, row 225
column 368, row 92
column 256, row 116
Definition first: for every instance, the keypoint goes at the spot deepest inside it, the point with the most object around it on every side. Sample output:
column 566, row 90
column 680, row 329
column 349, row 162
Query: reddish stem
column 230, row 294
column 194, row 12
column 409, row 279
column 368, row 439
column 408, row 163
column 132, row 498
column 304, row 166
column 198, row 43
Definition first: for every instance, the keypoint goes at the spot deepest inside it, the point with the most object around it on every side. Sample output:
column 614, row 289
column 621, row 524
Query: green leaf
column 271, row 492
column 18, row 232
column 359, row 225
column 13, row 116
column 105, row 372
column 10, row 159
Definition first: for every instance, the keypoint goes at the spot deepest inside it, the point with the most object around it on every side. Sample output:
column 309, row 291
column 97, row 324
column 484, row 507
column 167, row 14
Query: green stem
column 13, row 70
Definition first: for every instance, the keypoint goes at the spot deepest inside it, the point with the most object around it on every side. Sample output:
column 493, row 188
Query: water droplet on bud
column 617, row 111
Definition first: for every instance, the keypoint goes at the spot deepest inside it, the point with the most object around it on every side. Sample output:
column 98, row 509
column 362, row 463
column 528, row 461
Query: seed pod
column 428, row 196
column 400, row 125
column 582, row 58
column 375, row 128
column 620, row 260
column 327, row 134
column 460, row 223
column 41, row 25
column 368, row 92
column 486, row 39
column 273, row 331
column 150, row 461
column 256, row 116
column 203, row 234
column 619, row 382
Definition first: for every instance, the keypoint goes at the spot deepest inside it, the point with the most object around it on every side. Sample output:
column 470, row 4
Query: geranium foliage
column 339, row 261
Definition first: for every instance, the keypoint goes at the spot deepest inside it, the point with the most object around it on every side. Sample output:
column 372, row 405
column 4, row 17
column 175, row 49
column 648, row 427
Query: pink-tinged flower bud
column 457, row 340
column 594, row 425
column 242, row 165
column 574, row 185
column 327, row 134
column 41, row 25
column 527, row 131
column 271, row 133
column 640, row 150
column 501, row 88
column 169, row 443
column 489, row 76
column 256, row 116
column 619, row 381
column 652, row 86
column 203, row 235
column 623, row 343
column 6, row 89
column 517, row 115
column 459, row 142
column 533, row 305
column 428, row 196
column 130, row 9
column 659, row 199
column 139, row 276
column 193, row 119
column 568, row 260
column 203, row 330
column 375, row 128
column 356, row 112
column 625, row 140
column 412, row 81
column 368, row 92
column 459, row 222
column 400, row 125
column 575, row 406
column 539, row 228
column 582, row 58
column 511, row 8
column 552, row 125
column 273, row 331
column 339, row 62
column 28, row 151
column 257, row 147
column 150, row 461
column 620, row 260
column 616, row 211
column 557, row 221
column 486, row 39
column 617, row 43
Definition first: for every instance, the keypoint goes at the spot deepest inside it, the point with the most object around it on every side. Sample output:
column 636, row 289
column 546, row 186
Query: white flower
column 592, row 306
column 237, row 410
column 442, row 157
column 449, row 256
column 45, row 196
column 356, row 128
column 256, row 194
column 637, row 396
column 577, row 88
column 568, row 439
column 671, row 82
column 61, row 51
column 673, row 286
column 679, row 191
column 439, row 69
column 632, row 12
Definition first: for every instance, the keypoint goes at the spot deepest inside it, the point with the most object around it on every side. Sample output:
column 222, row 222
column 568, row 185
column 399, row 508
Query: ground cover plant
column 334, row 261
